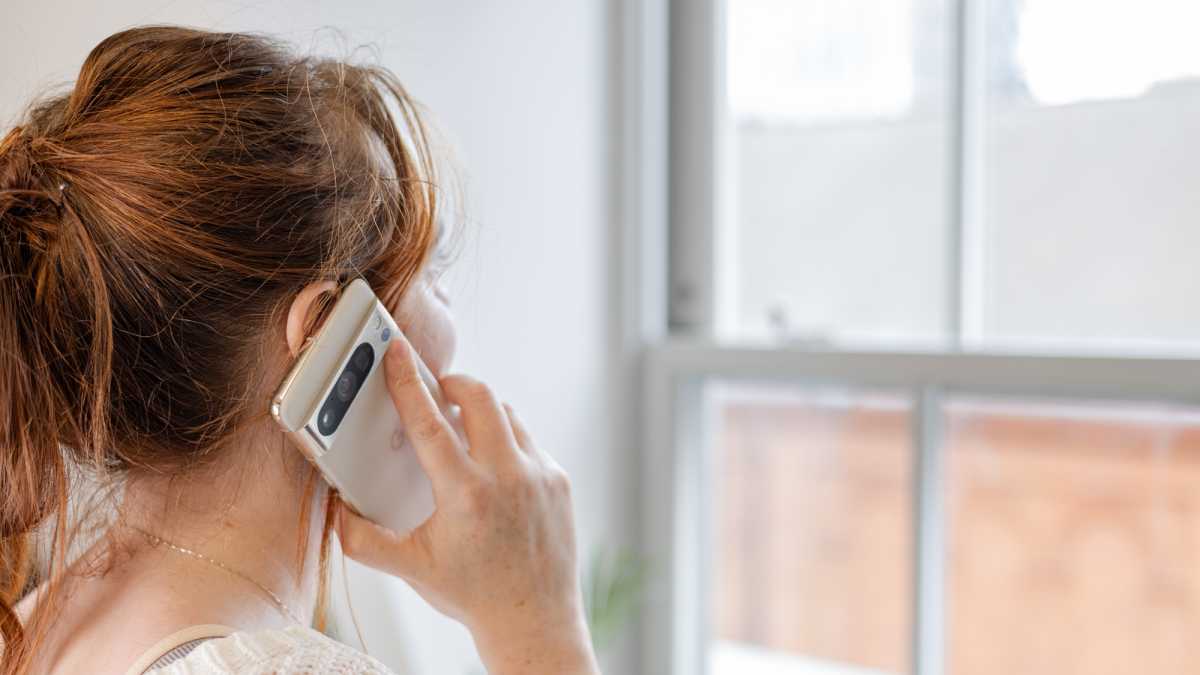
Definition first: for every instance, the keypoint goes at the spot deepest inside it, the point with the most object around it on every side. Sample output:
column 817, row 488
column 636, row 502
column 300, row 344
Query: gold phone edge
column 301, row 437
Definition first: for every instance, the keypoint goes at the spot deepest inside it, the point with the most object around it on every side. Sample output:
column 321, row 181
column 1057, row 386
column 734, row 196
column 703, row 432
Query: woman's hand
column 498, row 554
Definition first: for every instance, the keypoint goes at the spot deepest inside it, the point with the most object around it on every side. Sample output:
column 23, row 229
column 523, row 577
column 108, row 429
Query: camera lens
column 330, row 416
column 328, row 419
column 346, row 385
column 362, row 359
column 345, row 388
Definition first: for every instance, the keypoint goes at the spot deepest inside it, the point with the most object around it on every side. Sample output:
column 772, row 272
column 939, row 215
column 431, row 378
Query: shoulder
column 285, row 651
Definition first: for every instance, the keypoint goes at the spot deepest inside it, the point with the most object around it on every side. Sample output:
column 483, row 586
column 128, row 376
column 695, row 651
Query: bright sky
column 814, row 60
column 811, row 61
column 1074, row 50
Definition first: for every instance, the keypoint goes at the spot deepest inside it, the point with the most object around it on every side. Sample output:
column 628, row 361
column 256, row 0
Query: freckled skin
column 499, row 553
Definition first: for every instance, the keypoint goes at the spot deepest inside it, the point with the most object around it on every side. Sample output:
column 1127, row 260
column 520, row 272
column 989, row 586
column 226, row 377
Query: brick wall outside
column 1074, row 540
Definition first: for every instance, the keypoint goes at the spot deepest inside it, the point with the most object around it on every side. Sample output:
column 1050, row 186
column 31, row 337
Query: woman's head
column 156, row 223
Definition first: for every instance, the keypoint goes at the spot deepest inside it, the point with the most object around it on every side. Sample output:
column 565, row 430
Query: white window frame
column 671, row 202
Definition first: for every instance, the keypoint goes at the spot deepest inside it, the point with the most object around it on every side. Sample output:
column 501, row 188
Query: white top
column 285, row 651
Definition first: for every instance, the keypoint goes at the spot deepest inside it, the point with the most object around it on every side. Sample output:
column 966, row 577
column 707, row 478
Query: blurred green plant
column 613, row 585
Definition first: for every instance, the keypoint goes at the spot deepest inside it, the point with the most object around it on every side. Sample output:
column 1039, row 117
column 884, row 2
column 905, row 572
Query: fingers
column 436, row 446
column 524, row 440
column 378, row 547
column 489, row 435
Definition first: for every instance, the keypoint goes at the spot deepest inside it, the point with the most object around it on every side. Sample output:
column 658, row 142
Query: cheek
column 428, row 325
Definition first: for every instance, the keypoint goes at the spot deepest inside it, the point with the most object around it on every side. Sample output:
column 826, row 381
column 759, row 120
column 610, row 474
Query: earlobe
column 297, row 315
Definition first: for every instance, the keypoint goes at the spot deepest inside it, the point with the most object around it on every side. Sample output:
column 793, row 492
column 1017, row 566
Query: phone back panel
column 368, row 458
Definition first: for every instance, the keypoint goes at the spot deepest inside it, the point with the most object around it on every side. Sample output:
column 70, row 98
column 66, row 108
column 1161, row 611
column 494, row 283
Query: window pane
column 1093, row 163
column 1074, row 539
column 839, row 177
column 813, row 543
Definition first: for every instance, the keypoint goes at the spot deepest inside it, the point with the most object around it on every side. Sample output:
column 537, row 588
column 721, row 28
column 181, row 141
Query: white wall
column 522, row 88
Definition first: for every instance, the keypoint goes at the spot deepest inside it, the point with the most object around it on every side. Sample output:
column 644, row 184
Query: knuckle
column 561, row 481
column 406, row 376
column 477, row 393
column 557, row 480
column 451, row 382
column 466, row 388
column 509, row 473
column 427, row 428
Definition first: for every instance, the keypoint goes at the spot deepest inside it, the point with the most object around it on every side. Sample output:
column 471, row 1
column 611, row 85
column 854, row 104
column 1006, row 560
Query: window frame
column 673, row 145
column 677, row 474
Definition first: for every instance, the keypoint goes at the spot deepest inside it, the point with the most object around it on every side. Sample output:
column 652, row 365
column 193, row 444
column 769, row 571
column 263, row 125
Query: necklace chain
column 279, row 603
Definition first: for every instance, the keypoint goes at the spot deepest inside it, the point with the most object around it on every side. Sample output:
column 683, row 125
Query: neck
column 245, row 514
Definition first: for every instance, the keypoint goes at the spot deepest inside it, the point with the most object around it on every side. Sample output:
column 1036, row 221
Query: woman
column 170, row 230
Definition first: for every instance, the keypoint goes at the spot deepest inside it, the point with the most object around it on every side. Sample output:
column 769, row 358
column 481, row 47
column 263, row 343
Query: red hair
column 155, row 221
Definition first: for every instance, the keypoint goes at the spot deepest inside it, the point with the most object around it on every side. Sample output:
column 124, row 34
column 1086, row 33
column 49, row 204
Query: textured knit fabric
column 286, row 651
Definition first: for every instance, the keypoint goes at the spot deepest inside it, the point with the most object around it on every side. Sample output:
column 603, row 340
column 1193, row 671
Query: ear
column 298, row 313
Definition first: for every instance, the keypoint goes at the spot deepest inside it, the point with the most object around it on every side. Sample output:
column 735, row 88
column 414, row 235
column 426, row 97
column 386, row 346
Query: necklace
column 279, row 603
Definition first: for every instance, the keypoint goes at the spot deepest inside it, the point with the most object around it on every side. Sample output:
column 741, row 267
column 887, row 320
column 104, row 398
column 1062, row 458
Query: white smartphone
column 335, row 406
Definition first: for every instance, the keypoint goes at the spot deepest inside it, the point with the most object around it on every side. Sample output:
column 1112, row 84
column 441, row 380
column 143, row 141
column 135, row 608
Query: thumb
column 403, row 555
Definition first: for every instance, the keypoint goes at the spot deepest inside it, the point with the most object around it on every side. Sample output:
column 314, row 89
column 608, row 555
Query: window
column 1070, row 540
column 815, row 525
column 842, row 156
column 928, row 399
column 840, row 170
column 1090, row 165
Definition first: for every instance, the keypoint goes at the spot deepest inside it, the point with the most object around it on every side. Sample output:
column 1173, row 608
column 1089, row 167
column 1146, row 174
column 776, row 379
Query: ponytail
column 55, row 365
column 34, row 417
